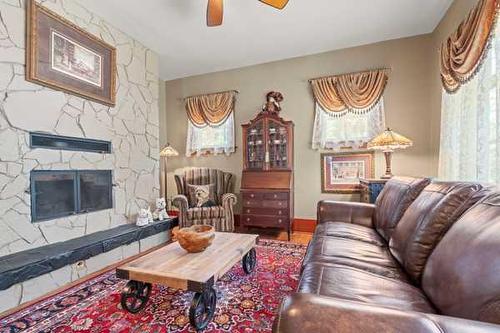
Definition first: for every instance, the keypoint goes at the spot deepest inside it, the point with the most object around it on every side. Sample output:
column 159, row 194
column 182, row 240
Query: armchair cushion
column 201, row 195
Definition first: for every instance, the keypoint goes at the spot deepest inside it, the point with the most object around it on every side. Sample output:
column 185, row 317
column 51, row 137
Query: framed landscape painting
column 62, row 56
column 340, row 172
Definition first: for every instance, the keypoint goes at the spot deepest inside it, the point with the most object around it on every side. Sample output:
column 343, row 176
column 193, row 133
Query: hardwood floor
column 297, row 236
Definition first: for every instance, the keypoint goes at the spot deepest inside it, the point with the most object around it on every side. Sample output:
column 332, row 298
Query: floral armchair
column 221, row 216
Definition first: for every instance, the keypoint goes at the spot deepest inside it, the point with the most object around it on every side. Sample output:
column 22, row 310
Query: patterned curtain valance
column 210, row 109
column 463, row 52
column 357, row 92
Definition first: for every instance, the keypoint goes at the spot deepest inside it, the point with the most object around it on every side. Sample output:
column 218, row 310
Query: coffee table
column 172, row 266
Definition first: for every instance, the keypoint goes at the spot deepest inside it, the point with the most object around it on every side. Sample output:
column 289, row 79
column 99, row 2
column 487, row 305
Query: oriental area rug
column 245, row 303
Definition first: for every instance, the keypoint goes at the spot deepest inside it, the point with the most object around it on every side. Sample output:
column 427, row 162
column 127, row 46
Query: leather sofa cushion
column 462, row 276
column 312, row 313
column 354, row 253
column 354, row 284
column 395, row 198
column 427, row 220
column 350, row 231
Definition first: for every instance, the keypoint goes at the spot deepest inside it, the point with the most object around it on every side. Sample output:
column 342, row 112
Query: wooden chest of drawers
column 266, row 208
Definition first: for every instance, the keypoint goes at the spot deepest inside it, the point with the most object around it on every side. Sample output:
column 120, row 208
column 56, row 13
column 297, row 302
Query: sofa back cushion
column 395, row 198
column 462, row 276
column 427, row 220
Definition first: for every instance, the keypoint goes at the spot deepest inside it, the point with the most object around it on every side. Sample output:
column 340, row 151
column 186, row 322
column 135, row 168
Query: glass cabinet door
column 277, row 145
column 256, row 151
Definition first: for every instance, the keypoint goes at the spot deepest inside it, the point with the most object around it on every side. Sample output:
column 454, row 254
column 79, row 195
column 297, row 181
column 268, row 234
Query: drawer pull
column 248, row 202
column 275, row 196
column 279, row 212
column 252, row 195
column 280, row 220
column 248, row 219
column 279, row 204
column 248, row 210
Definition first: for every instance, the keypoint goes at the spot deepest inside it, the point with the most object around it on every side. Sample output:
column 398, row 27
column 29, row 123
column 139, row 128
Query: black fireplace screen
column 63, row 193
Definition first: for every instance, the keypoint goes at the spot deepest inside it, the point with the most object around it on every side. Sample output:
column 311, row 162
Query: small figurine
column 161, row 209
column 272, row 105
column 144, row 217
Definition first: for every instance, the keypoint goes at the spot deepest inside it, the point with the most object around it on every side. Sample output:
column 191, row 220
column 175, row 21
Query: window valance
column 210, row 109
column 357, row 92
column 463, row 52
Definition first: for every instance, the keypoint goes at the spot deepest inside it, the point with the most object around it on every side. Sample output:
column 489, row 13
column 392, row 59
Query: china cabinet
column 267, row 179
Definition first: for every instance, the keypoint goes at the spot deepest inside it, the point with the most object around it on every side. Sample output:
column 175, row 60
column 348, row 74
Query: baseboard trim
column 304, row 225
column 79, row 281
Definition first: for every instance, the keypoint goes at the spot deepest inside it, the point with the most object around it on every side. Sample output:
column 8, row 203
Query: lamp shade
column 169, row 151
column 389, row 140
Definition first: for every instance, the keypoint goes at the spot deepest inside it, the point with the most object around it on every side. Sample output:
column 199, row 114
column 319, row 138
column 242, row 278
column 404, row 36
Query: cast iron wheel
column 135, row 296
column 202, row 309
column 249, row 261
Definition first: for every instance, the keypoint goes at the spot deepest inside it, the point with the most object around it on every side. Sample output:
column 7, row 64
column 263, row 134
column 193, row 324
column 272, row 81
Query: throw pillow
column 201, row 195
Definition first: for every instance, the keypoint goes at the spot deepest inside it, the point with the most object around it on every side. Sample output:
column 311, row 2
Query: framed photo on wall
column 340, row 172
column 63, row 56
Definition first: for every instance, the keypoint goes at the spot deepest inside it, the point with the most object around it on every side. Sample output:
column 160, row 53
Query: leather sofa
column 424, row 258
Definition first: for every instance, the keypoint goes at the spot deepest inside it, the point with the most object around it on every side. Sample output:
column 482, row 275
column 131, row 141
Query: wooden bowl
column 195, row 238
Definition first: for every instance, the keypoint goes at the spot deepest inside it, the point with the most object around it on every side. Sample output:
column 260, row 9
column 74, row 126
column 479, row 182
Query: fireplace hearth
column 57, row 193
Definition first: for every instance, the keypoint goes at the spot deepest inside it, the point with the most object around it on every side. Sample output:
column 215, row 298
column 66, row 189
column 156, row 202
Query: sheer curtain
column 470, row 125
column 208, row 139
column 350, row 129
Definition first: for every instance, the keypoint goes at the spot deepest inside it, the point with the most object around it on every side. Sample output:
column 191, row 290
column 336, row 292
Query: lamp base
column 386, row 176
column 388, row 171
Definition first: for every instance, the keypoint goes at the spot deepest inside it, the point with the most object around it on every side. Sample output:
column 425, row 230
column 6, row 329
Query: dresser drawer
column 255, row 203
column 266, row 211
column 276, row 196
column 275, row 204
column 252, row 195
column 264, row 221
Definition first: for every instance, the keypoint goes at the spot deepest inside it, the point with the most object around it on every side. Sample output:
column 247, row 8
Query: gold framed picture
column 63, row 56
column 340, row 172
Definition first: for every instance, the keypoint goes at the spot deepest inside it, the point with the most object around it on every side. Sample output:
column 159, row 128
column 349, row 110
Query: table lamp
column 388, row 141
column 167, row 151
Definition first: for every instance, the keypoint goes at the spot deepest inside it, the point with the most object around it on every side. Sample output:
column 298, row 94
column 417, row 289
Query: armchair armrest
column 312, row 313
column 345, row 211
column 228, row 201
column 181, row 202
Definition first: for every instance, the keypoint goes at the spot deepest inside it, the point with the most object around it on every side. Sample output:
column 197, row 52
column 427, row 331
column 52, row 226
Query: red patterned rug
column 246, row 303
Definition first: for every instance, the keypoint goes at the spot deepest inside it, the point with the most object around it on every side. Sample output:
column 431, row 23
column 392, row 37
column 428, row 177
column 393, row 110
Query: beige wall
column 412, row 104
column 406, row 104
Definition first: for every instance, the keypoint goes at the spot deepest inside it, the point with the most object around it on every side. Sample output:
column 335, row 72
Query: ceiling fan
column 215, row 10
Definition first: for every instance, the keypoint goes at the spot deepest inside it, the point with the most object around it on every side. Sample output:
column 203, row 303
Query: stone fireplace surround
column 131, row 126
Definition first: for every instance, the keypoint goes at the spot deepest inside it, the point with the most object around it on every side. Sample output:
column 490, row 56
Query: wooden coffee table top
column 174, row 267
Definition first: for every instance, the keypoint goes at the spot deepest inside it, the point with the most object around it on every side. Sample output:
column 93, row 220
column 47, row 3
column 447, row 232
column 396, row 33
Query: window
column 208, row 139
column 352, row 129
column 470, row 125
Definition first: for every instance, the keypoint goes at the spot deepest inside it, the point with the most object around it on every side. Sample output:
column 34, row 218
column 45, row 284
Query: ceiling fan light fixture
column 278, row 4
column 215, row 12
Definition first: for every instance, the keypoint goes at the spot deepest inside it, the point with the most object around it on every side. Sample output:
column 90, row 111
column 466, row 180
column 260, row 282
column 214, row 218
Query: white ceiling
column 254, row 33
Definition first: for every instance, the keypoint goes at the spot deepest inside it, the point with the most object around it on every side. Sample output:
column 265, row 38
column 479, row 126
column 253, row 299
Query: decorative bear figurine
column 144, row 217
column 161, row 209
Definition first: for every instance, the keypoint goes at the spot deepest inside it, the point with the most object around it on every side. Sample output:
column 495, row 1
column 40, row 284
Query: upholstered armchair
column 221, row 216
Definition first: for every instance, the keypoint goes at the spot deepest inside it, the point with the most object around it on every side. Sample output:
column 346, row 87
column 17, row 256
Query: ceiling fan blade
column 215, row 11
column 279, row 4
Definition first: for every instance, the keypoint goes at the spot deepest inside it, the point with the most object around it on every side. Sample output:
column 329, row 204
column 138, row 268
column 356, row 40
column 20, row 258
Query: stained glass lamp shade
column 388, row 141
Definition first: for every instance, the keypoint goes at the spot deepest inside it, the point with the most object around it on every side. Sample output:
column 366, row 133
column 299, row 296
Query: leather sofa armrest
column 345, row 211
column 312, row 313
